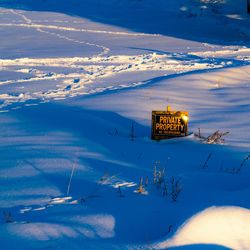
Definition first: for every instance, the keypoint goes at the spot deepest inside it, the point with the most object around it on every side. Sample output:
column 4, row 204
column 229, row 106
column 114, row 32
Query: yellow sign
column 168, row 124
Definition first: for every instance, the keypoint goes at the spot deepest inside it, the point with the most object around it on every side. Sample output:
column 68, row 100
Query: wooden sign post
column 169, row 124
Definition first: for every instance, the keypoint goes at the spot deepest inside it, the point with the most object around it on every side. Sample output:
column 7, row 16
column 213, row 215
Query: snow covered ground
column 78, row 83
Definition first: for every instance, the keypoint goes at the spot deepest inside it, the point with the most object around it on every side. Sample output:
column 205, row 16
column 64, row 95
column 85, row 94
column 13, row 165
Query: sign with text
column 169, row 124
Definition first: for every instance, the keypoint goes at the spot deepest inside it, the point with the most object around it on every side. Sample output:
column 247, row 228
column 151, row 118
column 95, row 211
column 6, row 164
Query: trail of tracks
column 72, row 74
column 88, row 70
column 40, row 28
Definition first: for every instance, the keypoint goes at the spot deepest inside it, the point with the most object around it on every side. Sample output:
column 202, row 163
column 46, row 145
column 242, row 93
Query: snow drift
column 227, row 226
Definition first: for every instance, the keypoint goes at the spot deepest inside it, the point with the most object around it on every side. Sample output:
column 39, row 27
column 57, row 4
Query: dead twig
column 205, row 165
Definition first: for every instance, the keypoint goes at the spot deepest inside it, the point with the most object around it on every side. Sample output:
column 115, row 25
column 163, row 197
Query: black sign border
column 155, row 136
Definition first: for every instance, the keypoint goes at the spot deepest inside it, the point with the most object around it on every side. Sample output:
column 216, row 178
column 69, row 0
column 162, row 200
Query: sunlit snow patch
column 226, row 226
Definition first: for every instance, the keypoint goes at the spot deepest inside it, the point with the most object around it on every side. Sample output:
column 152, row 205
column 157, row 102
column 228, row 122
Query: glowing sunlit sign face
column 168, row 124
column 185, row 118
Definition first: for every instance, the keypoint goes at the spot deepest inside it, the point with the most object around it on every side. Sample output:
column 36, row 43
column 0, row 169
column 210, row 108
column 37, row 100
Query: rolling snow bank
column 227, row 226
column 173, row 18
column 238, row 6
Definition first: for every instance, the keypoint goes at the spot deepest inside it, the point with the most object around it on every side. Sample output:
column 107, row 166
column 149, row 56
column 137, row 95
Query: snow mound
column 226, row 226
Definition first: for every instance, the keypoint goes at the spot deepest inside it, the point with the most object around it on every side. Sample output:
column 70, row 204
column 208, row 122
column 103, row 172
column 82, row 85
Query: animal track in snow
column 30, row 24
column 71, row 75
column 86, row 70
